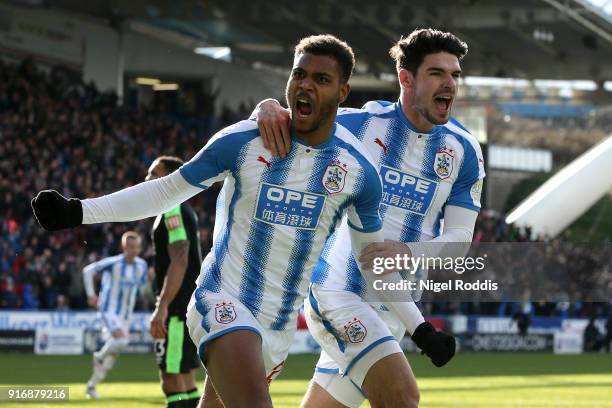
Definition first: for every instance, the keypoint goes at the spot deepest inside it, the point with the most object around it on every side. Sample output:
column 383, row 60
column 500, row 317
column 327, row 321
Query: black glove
column 438, row 346
column 55, row 212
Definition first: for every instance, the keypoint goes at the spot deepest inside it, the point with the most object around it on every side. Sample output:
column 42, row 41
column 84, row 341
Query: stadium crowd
column 537, row 276
column 57, row 131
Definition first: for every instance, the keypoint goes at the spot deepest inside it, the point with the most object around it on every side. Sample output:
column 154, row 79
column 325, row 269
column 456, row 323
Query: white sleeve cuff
column 456, row 238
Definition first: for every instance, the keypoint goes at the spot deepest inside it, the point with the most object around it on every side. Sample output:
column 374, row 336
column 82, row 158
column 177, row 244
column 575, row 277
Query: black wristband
column 421, row 332
column 75, row 212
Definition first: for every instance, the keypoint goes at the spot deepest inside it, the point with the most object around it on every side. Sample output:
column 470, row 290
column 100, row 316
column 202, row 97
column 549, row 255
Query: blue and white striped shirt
column 120, row 283
column 421, row 174
column 275, row 214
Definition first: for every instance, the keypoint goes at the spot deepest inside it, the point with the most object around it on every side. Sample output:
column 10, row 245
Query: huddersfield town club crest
column 334, row 177
column 355, row 331
column 225, row 312
column 443, row 163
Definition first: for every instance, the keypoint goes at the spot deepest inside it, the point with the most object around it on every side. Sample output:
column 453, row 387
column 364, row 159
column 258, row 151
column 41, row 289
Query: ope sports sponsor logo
column 284, row 206
column 407, row 191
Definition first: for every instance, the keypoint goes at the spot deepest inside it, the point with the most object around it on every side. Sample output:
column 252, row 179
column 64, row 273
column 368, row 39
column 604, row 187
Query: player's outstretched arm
column 211, row 164
column 150, row 198
column 144, row 200
column 55, row 212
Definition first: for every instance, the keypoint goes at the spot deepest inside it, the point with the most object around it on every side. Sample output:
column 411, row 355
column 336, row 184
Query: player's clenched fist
column 438, row 346
column 55, row 212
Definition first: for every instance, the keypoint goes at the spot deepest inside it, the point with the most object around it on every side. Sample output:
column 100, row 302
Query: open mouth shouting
column 303, row 106
column 443, row 103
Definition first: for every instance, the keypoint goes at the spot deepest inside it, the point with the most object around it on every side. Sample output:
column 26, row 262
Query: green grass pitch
column 470, row 380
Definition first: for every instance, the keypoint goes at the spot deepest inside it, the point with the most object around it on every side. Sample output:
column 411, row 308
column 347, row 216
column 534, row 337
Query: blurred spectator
column 62, row 302
column 8, row 297
column 48, row 295
column 30, row 301
column 522, row 317
column 592, row 336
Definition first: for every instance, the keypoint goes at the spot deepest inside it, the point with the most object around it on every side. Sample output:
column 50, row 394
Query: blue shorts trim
column 202, row 348
column 337, row 371
column 326, row 323
column 327, row 370
column 366, row 350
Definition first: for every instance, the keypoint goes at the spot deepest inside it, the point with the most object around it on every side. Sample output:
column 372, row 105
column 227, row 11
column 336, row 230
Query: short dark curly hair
column 171, row 163
column 409, row 52
column 329, row 46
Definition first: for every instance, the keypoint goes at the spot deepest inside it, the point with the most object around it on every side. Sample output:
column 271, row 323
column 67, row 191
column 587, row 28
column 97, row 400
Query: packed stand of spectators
column 537, row 276
column 58, row 132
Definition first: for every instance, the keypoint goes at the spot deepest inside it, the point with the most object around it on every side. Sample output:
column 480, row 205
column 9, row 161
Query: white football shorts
column 111, row 323
column 211, row 315
column 353, row 336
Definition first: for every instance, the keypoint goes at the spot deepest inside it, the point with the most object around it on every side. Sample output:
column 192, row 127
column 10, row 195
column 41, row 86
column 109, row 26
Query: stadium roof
column 564, row 39
column 601, row 6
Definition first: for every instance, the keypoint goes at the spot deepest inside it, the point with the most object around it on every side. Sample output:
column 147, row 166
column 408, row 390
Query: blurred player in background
column 178, row 257
column 418, row 148
column 273, row 219
column 122, row 277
